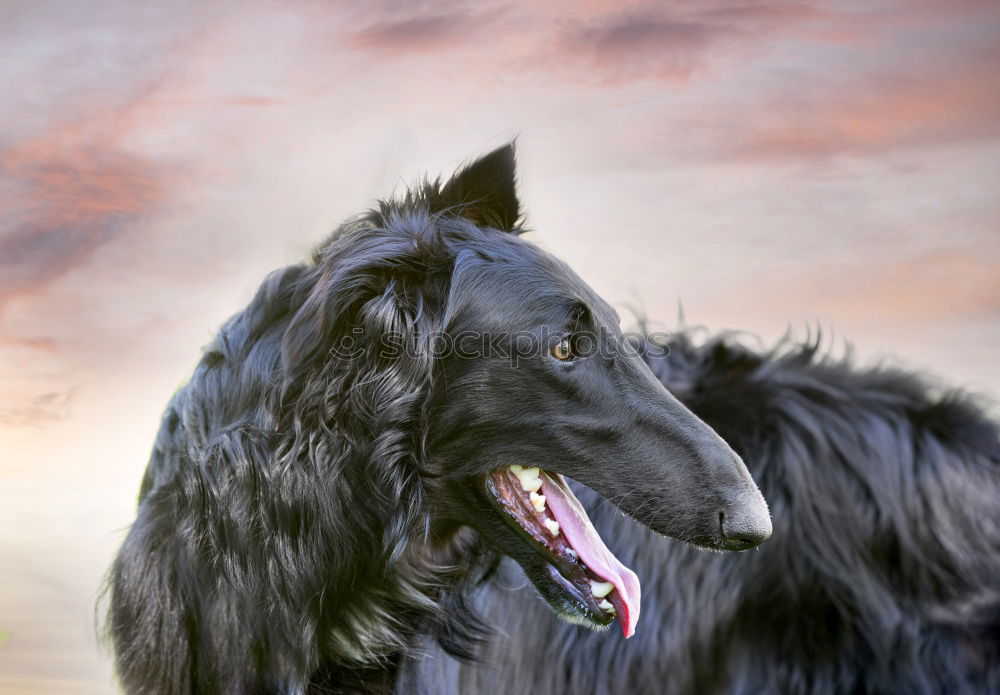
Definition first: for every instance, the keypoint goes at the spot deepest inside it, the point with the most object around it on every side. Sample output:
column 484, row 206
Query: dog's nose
column 745, row 528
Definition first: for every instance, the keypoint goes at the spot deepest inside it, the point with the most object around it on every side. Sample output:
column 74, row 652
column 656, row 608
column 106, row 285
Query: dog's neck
column 424, row 595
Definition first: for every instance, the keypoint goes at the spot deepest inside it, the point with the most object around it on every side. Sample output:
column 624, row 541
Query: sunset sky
column 767, row 165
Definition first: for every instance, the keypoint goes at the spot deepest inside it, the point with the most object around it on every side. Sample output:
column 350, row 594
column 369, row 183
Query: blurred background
column 768, row 165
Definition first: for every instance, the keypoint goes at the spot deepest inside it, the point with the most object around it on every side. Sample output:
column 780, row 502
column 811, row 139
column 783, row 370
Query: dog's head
column 489, row 370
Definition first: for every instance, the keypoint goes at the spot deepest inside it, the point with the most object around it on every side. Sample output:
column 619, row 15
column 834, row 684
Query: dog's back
column 883, row 574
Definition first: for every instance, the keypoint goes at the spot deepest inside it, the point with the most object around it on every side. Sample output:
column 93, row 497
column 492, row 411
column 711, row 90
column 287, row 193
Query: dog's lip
column 576, row 555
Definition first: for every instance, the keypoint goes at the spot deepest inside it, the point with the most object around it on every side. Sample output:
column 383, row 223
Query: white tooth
column 537, row 501
column 553, row 526
column 516, row 469
column 605, row 605
column 529, row 479
column 531, row 485
column 601, row 589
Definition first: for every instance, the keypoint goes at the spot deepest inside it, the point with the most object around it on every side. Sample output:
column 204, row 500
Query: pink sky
column 767, row 164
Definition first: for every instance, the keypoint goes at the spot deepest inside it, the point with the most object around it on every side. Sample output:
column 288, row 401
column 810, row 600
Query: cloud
column 32, row 256
column 45, row 343
column 37, row 411
column 68, row 191
column 676, row 41
column 422, row 33
column 951, row 97
column 787, row 82
column 253, row 101
column 750, row 80
column 671, row 42
column 931, row 286
column 926, row 289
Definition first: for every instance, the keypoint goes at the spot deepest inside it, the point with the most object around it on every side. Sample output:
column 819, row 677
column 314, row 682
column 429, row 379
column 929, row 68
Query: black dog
column 883, row 575
column 318, row 493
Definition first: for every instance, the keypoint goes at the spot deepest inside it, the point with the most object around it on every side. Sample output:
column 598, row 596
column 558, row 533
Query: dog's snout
column 745, row 526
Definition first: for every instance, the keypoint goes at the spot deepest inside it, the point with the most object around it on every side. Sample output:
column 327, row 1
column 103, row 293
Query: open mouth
column 593, row 584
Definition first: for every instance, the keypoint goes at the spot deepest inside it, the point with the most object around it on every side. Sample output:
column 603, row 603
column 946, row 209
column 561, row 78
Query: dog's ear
column 484, row 191
column 359, row 353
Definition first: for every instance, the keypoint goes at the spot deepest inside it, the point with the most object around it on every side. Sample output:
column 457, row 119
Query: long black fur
column 282, row 541
column 882, row 576
column 316, row 501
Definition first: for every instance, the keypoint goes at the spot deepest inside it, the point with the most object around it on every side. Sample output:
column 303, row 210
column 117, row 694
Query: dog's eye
column 563, row 350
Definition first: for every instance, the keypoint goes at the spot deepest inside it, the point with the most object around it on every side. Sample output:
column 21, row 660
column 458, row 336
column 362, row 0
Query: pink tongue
column 581, row 534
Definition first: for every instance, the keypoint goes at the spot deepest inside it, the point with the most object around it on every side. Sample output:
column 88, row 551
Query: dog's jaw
column 595, row 586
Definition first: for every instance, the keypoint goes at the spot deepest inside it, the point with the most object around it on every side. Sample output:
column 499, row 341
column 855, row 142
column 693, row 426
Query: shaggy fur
column 315, row 501
column 883, row 574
